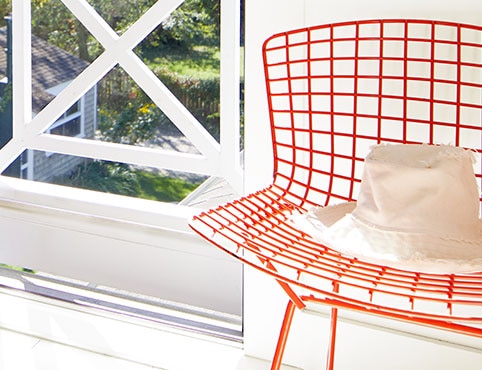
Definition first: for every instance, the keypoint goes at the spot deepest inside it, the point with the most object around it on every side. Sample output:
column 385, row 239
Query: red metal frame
column 333, row 91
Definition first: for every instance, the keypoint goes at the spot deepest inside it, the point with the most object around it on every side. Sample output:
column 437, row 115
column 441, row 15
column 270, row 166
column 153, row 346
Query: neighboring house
column 52, row 70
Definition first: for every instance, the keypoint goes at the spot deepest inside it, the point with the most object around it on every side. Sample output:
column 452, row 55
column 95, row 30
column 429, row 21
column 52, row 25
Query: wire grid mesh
column 333, row 92
column 336, row 90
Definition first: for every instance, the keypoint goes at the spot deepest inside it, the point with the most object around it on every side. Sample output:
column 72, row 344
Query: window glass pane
column 70, row 128
column 182, row 52
column 73, row 109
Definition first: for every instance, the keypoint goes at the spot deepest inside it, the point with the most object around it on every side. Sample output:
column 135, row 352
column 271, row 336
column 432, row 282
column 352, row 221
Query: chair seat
column 257, row 230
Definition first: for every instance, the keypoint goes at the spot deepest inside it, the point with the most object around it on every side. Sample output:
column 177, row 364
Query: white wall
column 358, row 347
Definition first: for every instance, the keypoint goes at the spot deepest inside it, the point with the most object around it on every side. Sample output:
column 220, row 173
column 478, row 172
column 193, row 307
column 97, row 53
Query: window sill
column 54, row 201
column 138, row 246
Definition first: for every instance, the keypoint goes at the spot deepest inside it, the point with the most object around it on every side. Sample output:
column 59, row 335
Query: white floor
column 38, row 333
column 46, row 334
column 23, row 352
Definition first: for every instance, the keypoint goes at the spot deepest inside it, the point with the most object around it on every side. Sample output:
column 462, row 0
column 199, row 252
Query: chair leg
column 283, row 336
column 330, row 360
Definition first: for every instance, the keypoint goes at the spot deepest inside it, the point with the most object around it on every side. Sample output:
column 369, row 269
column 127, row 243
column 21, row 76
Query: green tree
column 136, row 122
column 5, row 9
column 53, row 22
column 194, row 22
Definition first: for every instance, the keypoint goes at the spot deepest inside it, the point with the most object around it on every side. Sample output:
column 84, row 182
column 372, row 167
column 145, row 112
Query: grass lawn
column 118, row 179
column 163, row 188
column 202, row 62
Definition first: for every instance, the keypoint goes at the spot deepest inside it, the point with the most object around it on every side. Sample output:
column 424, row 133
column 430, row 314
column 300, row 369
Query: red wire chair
column 333, row 92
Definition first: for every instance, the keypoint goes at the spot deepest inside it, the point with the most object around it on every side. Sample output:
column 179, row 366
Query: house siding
column 50, row 165
column 90, row 113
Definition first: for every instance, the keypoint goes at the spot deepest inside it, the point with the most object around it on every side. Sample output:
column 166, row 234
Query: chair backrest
column 336, row 90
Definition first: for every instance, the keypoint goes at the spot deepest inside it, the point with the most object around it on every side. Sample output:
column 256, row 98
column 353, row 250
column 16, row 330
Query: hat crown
column 420, row 189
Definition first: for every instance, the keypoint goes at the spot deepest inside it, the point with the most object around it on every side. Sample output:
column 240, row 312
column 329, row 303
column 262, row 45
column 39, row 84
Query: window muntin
column 71, row 127
column 213, row 156
column 144, row 233
column 70, row 124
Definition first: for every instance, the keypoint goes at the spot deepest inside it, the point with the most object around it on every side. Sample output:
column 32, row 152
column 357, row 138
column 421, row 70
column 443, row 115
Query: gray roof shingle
column 51, row 66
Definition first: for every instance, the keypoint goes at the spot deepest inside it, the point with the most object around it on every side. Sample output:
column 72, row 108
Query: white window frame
column 216, row 159
column 144, row 229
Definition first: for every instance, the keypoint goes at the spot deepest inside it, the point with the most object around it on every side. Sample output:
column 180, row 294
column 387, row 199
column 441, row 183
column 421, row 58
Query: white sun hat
column 418, row 209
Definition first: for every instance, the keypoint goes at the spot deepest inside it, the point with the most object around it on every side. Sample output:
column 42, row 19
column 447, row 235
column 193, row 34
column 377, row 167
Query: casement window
column 70, row 123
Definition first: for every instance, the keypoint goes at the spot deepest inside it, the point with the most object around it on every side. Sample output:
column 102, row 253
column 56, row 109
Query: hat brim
column 335, row 227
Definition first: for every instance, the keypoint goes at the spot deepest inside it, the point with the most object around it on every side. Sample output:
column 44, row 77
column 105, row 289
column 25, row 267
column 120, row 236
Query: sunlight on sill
column 17, row 193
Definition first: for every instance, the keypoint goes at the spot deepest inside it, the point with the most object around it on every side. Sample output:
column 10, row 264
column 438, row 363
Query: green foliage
column 135, row 123
column 127, row 115
column 198, row 62
column 102, row 176
column 45, row 14
column 163, row 188
column 5, row 9
column 200, row 95
column 195, row 22
column 17, row 268
column 5, row 98
column 121, row 179
column 120, row 14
